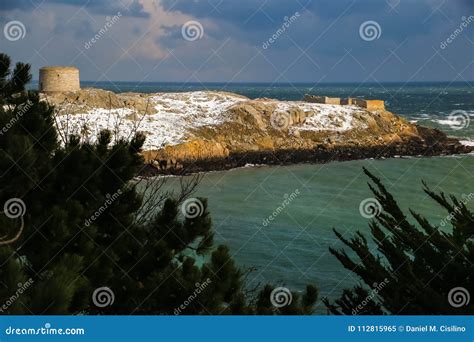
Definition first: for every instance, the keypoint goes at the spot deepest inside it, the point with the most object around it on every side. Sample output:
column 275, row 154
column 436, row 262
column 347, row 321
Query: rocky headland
column 209, row 130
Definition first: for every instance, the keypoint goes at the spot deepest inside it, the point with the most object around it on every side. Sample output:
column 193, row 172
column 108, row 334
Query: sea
column 278, row 221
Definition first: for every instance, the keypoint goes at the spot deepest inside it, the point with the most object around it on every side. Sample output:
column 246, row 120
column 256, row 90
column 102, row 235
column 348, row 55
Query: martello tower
column 58, row 78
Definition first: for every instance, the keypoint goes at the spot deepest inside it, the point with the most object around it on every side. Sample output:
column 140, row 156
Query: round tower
column 58, row 78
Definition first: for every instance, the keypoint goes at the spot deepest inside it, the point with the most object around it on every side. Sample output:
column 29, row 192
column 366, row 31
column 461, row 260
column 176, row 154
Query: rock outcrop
column 208, row 130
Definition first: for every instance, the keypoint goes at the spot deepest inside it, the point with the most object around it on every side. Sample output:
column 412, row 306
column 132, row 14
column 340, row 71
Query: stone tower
column 58, row 78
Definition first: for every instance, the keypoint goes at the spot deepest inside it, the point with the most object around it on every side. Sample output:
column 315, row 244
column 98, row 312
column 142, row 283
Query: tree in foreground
column 418, row 267
column 77, row 235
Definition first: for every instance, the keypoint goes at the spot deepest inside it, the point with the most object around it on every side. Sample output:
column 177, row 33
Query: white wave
column 467, row 142
column 446, row 122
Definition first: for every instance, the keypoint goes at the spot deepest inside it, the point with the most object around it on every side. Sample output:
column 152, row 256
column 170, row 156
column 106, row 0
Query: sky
column 277, row 41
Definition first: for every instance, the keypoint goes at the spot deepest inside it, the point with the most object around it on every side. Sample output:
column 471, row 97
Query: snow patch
column 322, row 117
column 177, row 114
column 330, row 118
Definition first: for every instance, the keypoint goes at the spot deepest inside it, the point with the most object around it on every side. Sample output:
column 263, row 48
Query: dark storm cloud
column 339, row 21
column 249, row 20
column 106, row 7
column 325, row 33
column 252, row 14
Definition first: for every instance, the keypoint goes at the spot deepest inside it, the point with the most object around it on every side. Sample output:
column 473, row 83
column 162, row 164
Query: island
column 196, row 131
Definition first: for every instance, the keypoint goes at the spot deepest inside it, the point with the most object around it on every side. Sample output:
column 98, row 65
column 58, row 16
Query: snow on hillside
column 324, row 117
column 176, row 114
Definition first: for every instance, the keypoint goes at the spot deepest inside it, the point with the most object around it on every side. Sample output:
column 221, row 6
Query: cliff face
column 184, row 128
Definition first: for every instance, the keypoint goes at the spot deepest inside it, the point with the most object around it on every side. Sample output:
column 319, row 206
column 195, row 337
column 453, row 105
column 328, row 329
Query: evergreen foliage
column 417, row 265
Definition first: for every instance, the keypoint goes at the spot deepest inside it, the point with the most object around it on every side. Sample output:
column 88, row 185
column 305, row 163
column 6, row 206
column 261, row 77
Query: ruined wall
column 322, row 99
column 58, row 79
column 347, row 102
column 375, row 105
column 371, row 105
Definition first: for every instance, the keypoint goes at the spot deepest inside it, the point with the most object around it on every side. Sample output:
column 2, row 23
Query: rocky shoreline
column 436, row 144
column 202, row 131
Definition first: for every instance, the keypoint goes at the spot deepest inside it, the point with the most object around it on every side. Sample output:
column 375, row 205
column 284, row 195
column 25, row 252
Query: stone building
column 369, row 104
column 58, row 79
column 347, row 102
column 322, row 99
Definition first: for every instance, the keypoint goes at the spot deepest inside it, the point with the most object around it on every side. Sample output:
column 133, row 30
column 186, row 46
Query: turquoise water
column 293, row 249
